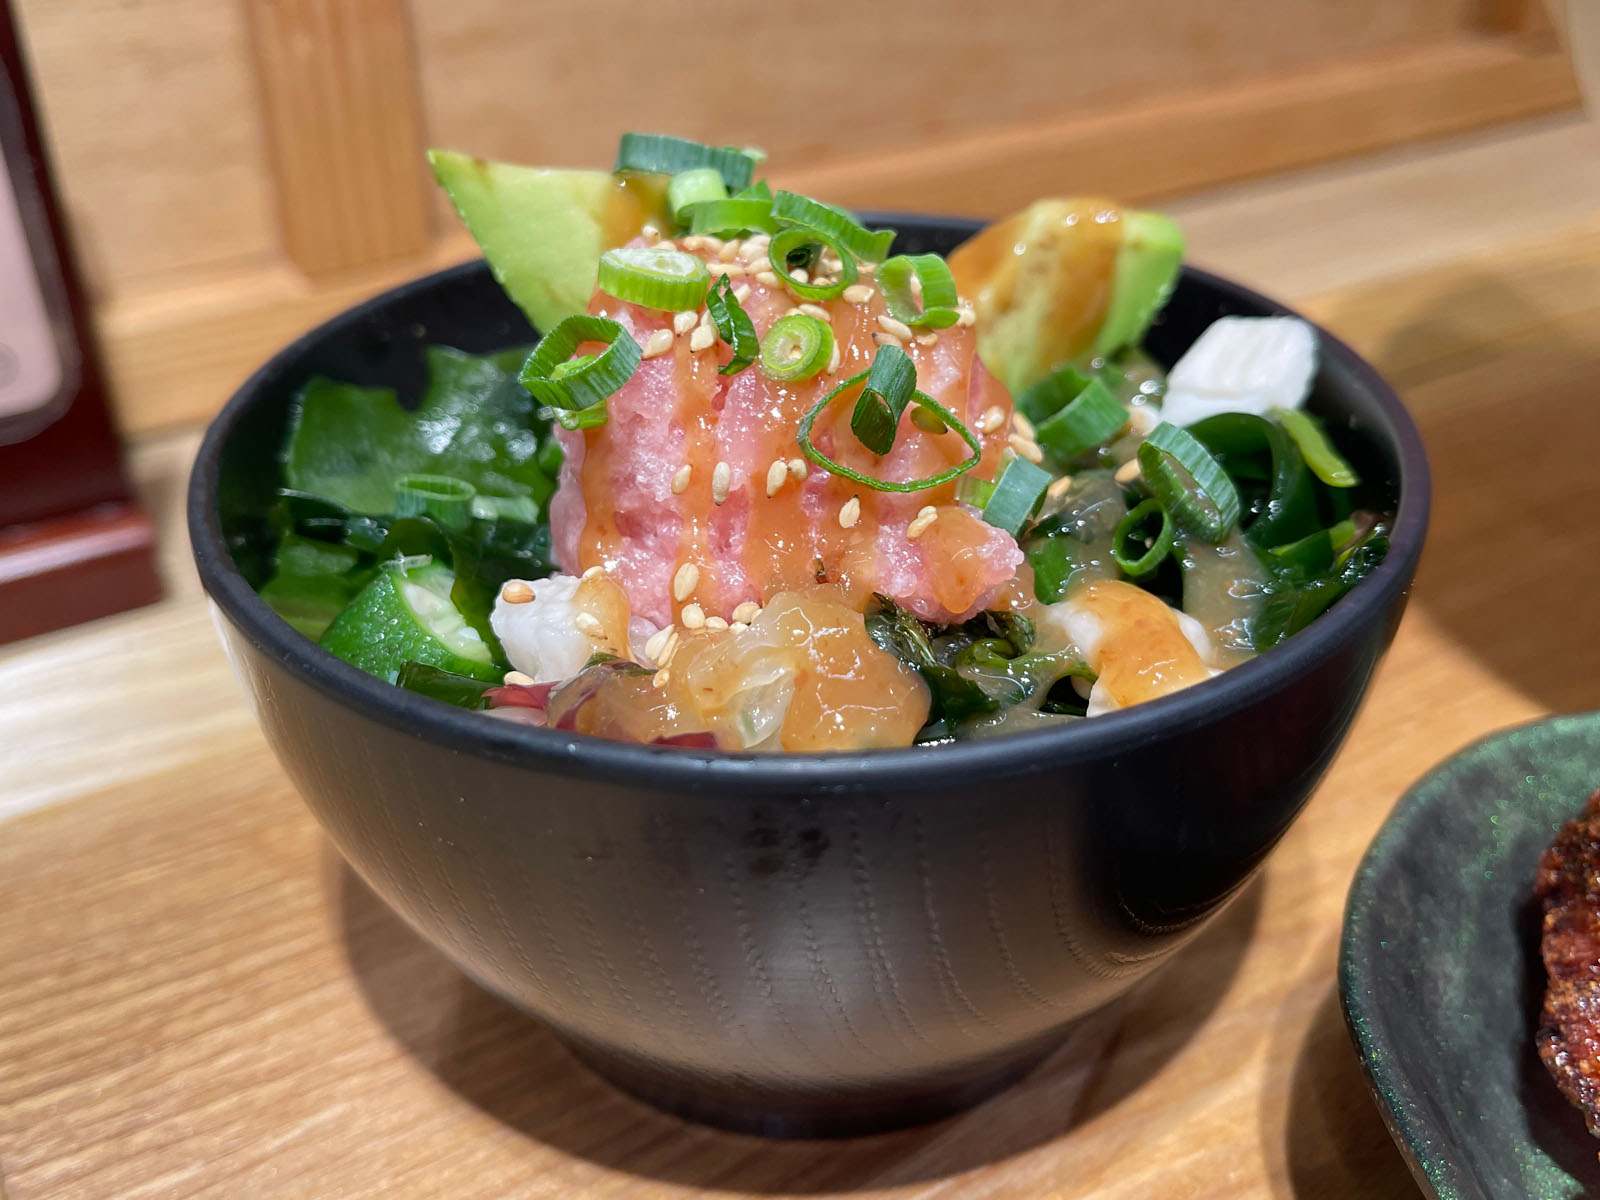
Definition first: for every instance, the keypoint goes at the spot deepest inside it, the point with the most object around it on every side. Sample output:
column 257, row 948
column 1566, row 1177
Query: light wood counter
column 197, row 999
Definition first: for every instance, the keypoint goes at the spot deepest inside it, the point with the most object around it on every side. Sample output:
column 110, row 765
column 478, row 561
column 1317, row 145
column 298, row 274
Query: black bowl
column 801, row 944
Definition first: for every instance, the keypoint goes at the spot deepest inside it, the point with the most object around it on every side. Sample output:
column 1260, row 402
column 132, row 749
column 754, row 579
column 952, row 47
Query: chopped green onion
column 505, row 508
column 733, row 326
column 689, row 188
column 759, row 190
column 802, row 248
column 654, row 277
column 1131, row 531
column 660, row 154
column 936, row 310
column 576, row 392
column 738, row 214
column 1071, row 412
column 796, row 347
column 790, row 208
column 891, row 382
column 809, row 448
column 445, row 498
column 1326, row 463
column 1016, row 494
column 975, row 491
column 1316, row 552
column 1191, row 485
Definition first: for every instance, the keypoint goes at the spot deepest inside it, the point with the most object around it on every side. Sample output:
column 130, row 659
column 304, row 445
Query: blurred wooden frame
column 344, row 128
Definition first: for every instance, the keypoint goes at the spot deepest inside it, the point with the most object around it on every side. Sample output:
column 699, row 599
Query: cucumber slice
column 405, row 615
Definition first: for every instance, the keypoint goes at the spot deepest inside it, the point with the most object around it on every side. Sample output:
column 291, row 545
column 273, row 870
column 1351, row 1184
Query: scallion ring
column 869, row 245
column 1191, row 485
column 733, row 327
column 809, row 448
column 659, row 154
column 1016, row 495
column 801, row 248
column 445, row 498
column 1138, row 559
column 796, row 347
column 654, row 277
column 891, row 383
column 1326, row 463
column 689, row 188
column 578, row 389
column 975, row 491
column 1071, row 412
column 735, row 215
column 937, row 307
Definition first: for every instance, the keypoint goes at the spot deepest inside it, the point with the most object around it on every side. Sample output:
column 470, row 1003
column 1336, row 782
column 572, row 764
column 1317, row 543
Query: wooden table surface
column 196, row 998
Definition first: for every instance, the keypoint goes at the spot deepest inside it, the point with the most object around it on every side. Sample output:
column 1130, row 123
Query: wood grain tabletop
column 198, row 999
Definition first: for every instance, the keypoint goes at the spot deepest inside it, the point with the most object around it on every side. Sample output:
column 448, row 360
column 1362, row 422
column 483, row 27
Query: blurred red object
column 73, row 544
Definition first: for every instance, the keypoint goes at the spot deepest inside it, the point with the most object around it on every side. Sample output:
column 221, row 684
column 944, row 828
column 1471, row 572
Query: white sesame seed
column 742, row 293
column 693, row 616
column 815, row 310
column 770, row 278
column 680, row 479
column 657, row 642
column 868, row 268
column 857, row 293
column 729, row 251
column 888, row 339
column 685, row 321
column 716, row 623
column 798, row 469
column 731, row 270
column 747, row 612
column 721, row 480
column 692, row 242
column 650, row 233
column 800, row 275
column 669, row 648
column 589, row 624
column 823, row 281
column 850, row 513
column 1127, row 472
column 657, row 343
column 705, row 319
column 516, row 592
column 833, row 359
column 1026, row 448
column 992, row 419
column 919, row 524
column 685, row 582
column 898, row 328
column 967, row 316
column 927, row 339
column 701, row 339
column 662, row 678
column 777, row 476
column 739, row 626
column 1059, row 487
column 667, row 244
column 916, row 284
column 594, row 572
column 927, row 510
column 518, row 679
column 1143, row 419
column 1023, row 426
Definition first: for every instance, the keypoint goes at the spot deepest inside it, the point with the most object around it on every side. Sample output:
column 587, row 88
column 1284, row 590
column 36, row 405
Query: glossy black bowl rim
column 1031, row 752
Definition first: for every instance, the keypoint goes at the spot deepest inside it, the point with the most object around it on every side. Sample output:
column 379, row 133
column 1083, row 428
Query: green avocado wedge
column 543, row 230
column 1065, row 281
column 1146, row 270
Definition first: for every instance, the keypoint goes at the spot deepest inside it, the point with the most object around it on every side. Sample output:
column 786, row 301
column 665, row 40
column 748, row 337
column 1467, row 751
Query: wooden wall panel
column 151, row 110
column 547, row 81
column 340, row 103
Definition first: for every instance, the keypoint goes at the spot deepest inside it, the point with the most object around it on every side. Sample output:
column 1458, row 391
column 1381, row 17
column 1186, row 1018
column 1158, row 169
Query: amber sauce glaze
column 1141, row 652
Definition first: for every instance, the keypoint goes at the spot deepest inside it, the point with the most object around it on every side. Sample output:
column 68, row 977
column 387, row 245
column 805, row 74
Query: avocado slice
column 543, row 230
column 1146, row 270
column 1065, row 281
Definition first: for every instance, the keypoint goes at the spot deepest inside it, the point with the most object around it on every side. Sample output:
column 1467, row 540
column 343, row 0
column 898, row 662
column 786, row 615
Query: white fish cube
column 1242, row 364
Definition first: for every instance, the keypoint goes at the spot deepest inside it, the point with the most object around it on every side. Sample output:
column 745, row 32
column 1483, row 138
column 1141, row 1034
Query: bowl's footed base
column 748, row 1108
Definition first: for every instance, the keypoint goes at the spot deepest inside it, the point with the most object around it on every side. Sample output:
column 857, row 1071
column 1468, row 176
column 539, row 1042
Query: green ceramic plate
column 1439, row 968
